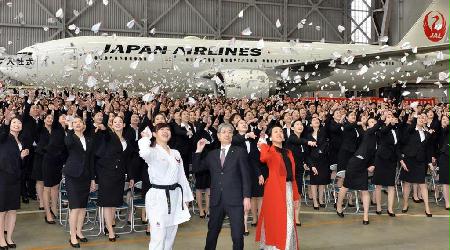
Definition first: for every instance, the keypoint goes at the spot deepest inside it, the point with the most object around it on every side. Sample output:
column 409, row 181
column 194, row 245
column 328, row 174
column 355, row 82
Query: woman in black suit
column 112, row 164
column 79, row 176
column 44, row 137
column 442, row 159
column 386, row 159
column 183, row 139
column 298, row 146
column 11, row 155
column 52, row 164
column 415, row 160
column 318, row 163
column 356, row 175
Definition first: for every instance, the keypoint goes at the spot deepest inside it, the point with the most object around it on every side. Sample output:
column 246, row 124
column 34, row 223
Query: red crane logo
column 434, row 26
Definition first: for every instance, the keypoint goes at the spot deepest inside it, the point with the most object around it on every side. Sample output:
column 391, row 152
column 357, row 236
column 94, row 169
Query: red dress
column 273, row 214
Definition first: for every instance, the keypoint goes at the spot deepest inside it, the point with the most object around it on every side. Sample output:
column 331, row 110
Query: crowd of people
column 102, row 141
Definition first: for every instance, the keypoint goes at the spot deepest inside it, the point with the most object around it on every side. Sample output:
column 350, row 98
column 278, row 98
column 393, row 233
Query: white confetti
column 45, row 28
column 77, row 31
column 419, row 79
column 148, row 97
column 241, row 14
column 134, row 64
column 76, row 13
column 9, row 4
column 105, row 2
column 406, row 45
column 191, row 101
column 152, row 31
column 260, row 44
column 130, row 24
column 413, row 105
column 285, row 74
column 72, row 27
column 246, row 32
column 403, row 59
column 440, row 55
column 278, row 23
column 300, row 26
column 318, row 28
column 95, row 28
column 443, row 76
column 341, row 28
column 89, row 59
column 59, row 13
column 91, row 82
column 363, row 70
column 414, row 50
column 384, row 39
column 196, row 63
column 90, row 2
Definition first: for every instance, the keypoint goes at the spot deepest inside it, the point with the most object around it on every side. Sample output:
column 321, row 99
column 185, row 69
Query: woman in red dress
column 276, row 224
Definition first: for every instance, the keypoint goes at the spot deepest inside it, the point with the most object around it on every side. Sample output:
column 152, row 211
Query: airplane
column 235, row 68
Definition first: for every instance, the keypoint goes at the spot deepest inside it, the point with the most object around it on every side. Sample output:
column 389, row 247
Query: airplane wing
column 383, row 54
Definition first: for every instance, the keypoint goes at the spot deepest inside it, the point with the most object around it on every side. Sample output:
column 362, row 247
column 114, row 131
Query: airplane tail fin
column 432, row 26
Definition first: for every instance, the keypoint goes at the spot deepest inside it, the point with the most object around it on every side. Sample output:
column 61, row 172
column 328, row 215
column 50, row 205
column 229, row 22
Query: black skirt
column 384, row 173
column 343, row 158
column 323, row 176
column 78, row 189
column 417, row 171
column 36, row 174
column 9, row 192
column 202, row 180
column 443, row 169
column 356, row 175
column 110, row 189
column 52, row 170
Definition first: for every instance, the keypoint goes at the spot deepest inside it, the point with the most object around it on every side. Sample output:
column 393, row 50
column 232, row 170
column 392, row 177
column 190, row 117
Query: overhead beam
column 200, row 15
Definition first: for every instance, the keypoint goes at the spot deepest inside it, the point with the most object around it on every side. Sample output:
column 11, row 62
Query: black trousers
column 28, row 185
column 216, row 217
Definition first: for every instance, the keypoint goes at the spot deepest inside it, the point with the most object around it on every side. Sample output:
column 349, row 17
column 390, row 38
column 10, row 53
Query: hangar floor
column 320, row 230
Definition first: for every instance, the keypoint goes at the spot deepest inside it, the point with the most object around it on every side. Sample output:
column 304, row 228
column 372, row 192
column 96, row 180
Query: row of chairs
column 332, row 190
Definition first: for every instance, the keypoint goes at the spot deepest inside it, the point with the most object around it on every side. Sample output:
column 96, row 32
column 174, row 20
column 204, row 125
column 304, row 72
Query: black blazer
column 182, row 142
column 413, row 147
column 443, row 142
column 10, row 161
column 335, row 131
column 386, row 147
column 230, row 183
column 368, row 146
column 253, row 156
column 78, row 159
column 350, row 138
column 321, row 150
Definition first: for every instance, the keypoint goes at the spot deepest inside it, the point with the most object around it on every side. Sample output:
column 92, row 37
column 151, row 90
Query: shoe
column 365, row 222
column 299, row 224
column 316, row 208
column 13, row 245
column 404, row 211
column 378, row 212
column 49, row 222
column 41, row 208
column 246, row 233
column 254, row 224
column 147, row 233
column 53, row 214
column 25, row 200
column 351, row 205
column 4, row 248
column 373, row 203
column 322, row 205
column 113, row 239
column 420, row 200
column 428, row 215
column 416, row 201
column 447, row 208
column 77, row 245
column 106, row 231
column 144, row 222
column 129, row 222
column 341, row 214
column 391, row 214
column 202, row 216
column 84, row 240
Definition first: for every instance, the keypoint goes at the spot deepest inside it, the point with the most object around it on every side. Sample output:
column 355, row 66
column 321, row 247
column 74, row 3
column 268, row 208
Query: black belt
column 167, row 188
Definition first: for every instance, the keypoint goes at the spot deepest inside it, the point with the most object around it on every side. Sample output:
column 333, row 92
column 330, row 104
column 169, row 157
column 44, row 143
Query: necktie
column 222, row 157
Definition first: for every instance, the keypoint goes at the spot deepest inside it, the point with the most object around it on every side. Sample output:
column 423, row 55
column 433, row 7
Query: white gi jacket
column 165, row 169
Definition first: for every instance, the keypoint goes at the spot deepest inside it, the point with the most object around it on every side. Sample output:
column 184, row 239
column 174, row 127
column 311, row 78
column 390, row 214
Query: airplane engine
column 244, row 83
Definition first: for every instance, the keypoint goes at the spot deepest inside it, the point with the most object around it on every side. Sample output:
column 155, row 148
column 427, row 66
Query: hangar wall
column 25, row 22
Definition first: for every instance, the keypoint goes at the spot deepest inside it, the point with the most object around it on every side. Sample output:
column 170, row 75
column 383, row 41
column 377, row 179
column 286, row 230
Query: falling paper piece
column 134, row 64
column 246, row 32
column 406, row 45
column 130, row 24
column 443, row 76
column 90, row 2
column 45, row 28
column 414, row 105
column 260, row 44
column 318, row 28
column 76, row 13
column 148, row 97
column 363, row 70
column 105, row 2
column 197, row 63
column 440, row 55
column 403, row 59
column 9, row 4
column 88, row 60
column 278, row 23
column 405, row 93
column 241, row 14
column 191, row 101
column 91, row 82
column 152, row 31
column 59, row 13
column 414, row 50
column 419, row 79
column 96, row 27
column 300, row 26
column 71, row 98
column 77, row 31
column 384, row 39
column 341, row 28
column 72, row 27
column 285, row 74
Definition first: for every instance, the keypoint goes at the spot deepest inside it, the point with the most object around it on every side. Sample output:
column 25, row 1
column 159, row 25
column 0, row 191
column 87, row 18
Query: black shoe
column 378, row 212
column 25, row 200
column 4, row 248
column 106, row 231
column 417, row 201
column 365, row 222
column 316, row 208
column 420, row 200
column 147, row 233
column 84, row 240
column 341, row 214
column 113, row 239
column 202, row 216
column 447, row 208
column 404, row 211
column 77, row 245
column 246, row 233
column 129, row 222
column 41, row 208
column 53, row 214
column 49, row 222
column 299, row 224
column 428, row 215
column 254, row 224
column 351, row 205
column 322, row 205
column 391, row 214
column 144, row 222
column 13, row 245
column 373, row 203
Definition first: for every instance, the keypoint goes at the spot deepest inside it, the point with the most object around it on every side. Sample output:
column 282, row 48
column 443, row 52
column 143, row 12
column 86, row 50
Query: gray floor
column 320, row 230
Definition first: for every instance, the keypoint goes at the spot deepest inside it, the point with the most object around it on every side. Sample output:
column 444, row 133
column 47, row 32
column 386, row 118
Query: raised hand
column 201, row 145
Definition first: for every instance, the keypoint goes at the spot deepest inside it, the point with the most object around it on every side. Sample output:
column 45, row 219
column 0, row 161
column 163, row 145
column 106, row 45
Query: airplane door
column 70, row 57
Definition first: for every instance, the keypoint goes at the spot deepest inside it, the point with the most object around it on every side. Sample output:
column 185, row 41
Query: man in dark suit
column 230, row 186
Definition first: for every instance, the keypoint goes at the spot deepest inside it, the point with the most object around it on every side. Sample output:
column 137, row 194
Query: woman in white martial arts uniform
column 169, row 191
